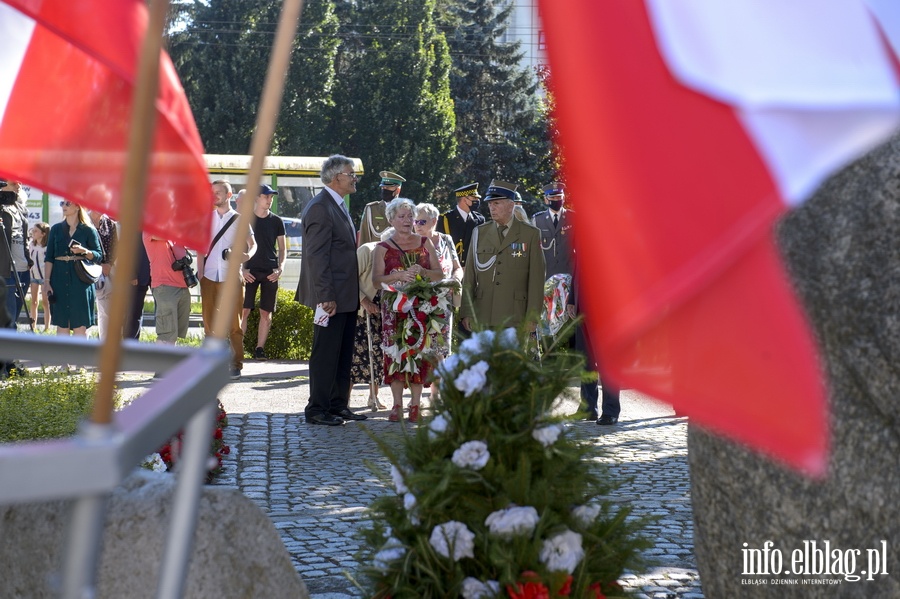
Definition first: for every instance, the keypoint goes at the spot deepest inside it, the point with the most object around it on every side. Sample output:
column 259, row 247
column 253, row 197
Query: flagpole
column 142, row 127
column 269, row 105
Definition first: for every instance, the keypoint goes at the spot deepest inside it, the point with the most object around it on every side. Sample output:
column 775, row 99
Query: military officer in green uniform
column 374, row 222
column 504, row 280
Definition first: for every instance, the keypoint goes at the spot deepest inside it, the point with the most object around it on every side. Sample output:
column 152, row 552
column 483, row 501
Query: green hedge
column 44, row 405
column 290, row 337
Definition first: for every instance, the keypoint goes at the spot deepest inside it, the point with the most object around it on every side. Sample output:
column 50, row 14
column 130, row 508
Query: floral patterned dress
column 394, row 261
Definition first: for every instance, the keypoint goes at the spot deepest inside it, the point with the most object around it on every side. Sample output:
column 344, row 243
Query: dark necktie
column 555, row 220
column 502, row 230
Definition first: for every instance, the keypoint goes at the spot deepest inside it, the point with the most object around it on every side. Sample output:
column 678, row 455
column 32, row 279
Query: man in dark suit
column 329, row 284
column 459, row 222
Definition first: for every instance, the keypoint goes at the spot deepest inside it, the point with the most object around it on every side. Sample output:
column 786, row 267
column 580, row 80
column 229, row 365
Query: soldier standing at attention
column 556, row 225
column 504, row 280
column 459, row 222
column 374, row 222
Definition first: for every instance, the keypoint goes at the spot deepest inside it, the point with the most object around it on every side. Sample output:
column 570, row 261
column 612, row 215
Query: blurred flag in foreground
column 67, row 75
column 687, row 128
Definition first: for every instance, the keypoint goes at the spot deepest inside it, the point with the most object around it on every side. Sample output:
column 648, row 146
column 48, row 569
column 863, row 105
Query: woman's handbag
column 88, row 271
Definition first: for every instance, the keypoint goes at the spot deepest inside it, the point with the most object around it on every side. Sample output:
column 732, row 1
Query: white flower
column 449, row 364
column 453, row 536
column 392, row 550
column 476, row 344
column 397, row 476
column 509, row 339
column 154, row 462
column 562, row 552
column 472, row 588
column 513, row 521
column 547, row 435
column 471, row 454
column 438, row 425
column 472, row 379
column 409, row 501
column 586, row 514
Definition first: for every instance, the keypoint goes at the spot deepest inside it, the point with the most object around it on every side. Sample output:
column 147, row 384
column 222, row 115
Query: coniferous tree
column 501, row 129
column 221, row 55
column 393, row 102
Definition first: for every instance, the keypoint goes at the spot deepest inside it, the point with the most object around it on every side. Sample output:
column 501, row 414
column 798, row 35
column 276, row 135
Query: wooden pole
column 269, row 105
column 143, row 120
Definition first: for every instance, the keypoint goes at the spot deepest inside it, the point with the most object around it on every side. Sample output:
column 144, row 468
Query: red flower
column 594, row 592
column 226, row 449
column 434, row 300
column 566, row 588
column 421, row 316
column 410, row 340
column 531, row 588
column 217, row 434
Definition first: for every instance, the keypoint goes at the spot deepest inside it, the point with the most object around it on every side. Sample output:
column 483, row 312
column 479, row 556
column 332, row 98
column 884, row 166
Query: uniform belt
column 69, row 258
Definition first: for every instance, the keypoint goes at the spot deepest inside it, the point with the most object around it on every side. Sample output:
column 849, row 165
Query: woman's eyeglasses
column 64, row 203
column 422, row 222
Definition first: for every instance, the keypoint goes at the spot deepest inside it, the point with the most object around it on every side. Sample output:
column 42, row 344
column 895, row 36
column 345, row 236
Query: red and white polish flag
column 687, row 128
column 67, row 75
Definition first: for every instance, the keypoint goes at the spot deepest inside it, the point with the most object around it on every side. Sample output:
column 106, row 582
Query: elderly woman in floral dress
column 398, row 262
column 426, row 220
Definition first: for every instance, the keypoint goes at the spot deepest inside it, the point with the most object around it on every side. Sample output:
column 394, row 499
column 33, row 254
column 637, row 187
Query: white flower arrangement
column 154, row 462
column 453, row 537
column 586, row 514
column 472, row 588
column 471, row 454
column 392, row 550
column 513, row 521
column 472, row 379
column 562, row 552
column 547, row 435
column 492, row 478
column 399, row 483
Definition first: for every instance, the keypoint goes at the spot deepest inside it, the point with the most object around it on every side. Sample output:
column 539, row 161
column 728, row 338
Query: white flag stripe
column 887, row 13
column 767, row 53
column 801, row 149
column 812, row 82
column 15, row 31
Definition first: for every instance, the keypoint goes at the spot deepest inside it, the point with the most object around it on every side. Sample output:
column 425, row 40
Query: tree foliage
column 425, row 88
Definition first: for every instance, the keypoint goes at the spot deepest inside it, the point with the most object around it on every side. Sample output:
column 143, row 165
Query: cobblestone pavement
column 314, row 483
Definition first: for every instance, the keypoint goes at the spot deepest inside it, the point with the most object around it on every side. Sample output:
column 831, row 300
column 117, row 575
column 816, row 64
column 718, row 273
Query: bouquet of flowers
column 494, row 496
column 168, row 454
column 422, row 310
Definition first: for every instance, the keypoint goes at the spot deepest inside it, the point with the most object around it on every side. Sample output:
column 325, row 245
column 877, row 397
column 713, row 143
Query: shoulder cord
column 473, row 254
column 371, row 221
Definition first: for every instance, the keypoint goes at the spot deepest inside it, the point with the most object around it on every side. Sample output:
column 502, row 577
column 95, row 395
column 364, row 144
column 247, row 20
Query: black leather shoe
column 348, row 415
column 607, row 420
column 326, row 419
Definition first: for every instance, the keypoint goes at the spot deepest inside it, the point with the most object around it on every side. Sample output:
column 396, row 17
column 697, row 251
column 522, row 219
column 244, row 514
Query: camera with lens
column 226, row 253
column 184, row 265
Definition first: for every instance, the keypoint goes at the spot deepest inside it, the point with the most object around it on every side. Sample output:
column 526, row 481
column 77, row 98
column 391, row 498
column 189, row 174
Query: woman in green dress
column 72, row 303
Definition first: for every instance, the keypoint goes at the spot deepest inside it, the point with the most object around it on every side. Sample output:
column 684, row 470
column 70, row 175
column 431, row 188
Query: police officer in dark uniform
column 459, row 222
column 556, row 225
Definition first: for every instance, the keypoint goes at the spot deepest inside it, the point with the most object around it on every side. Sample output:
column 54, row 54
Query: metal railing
column 90, row 465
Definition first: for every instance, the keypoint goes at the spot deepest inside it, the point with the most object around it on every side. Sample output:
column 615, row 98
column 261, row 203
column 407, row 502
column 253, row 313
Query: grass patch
column 45, row 404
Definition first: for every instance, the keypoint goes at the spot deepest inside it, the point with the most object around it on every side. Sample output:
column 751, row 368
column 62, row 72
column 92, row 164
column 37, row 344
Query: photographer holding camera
column 15, row 261
column 170, row 277
column 213, row 266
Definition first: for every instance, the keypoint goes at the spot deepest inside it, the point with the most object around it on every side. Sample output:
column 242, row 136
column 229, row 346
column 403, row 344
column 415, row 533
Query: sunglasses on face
column 421, row 222
column 62, row 204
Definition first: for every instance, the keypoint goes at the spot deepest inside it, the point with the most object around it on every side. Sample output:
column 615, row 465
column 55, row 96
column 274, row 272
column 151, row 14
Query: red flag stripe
column 685, row 296
column 65, row 127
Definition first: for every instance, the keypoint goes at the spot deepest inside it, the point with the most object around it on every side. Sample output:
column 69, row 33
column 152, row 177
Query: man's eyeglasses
column 421, row 222
column 353, row 176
